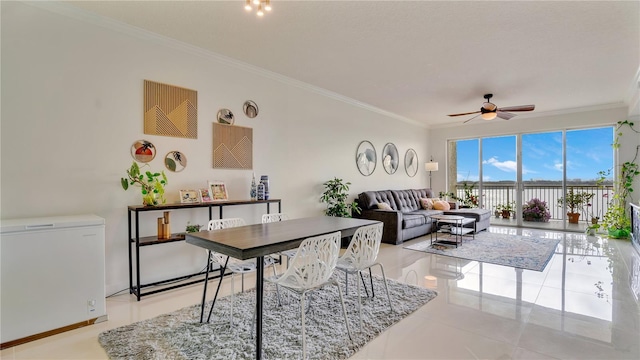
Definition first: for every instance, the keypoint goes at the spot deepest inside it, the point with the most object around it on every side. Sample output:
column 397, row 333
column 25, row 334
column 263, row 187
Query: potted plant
column 574, row 201
column 335, row 195
column 151, row 184
column 536, row 210
column 191, row 228
column 506, row 209
column 469, row 200
column 616, row 220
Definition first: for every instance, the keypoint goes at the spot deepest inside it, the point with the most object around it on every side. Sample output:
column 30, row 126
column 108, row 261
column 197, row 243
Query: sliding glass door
column 539, row 180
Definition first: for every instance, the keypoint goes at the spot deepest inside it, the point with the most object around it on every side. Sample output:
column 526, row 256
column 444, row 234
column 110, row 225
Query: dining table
column 259, row 240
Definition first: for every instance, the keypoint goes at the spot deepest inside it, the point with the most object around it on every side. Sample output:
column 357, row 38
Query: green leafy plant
column 335, row 195
column 151, row 184
column 616, row 219
column 575, row 200
column 192, row 228
column 508, row 206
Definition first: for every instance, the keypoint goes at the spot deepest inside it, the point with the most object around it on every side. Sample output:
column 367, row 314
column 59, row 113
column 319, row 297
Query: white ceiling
column 420, row 60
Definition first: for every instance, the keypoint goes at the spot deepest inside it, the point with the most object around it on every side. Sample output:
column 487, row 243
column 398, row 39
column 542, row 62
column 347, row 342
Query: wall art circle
column 411, row 162
column 250, row 108
column 143, row 151
column 225, row 116
column 390, row 158
column 366, row 158
column 175, row 161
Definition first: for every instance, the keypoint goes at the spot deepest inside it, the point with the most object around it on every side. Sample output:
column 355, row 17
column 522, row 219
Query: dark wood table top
column 246, row 242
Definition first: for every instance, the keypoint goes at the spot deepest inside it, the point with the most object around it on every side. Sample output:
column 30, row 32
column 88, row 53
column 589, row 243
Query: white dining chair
column 275, row 217
column 234, row 265
column 361, row 254
column 311, row 269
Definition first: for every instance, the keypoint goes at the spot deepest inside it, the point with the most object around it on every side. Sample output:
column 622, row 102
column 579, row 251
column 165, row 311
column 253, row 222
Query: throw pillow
column 441, row 205
column 384, row 206
column 426, row 203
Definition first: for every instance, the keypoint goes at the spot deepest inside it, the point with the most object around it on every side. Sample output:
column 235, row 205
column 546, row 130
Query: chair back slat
column 269, row 218
column 219, row 224
column 362, row 251
column 314, row 261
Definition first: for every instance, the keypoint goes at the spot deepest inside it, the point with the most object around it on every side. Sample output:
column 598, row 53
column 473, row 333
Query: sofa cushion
column 423, row 193
column 384, row 206
column 427, row 213
column 427, row 204
column 441, row 205
column 478, row 214
column 405, row 200
column 410, row 220
column 370, row 199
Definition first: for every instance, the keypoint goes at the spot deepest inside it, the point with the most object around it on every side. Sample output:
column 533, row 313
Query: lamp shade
column 489, row 115
column 431, row 166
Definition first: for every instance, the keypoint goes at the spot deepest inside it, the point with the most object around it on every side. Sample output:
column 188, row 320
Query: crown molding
column 71, row 11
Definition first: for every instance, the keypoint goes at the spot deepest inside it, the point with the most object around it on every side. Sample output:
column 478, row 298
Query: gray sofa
column 406, row 219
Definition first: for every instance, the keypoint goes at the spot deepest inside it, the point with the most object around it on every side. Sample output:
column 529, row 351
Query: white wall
column 524, row 124
column 72, row 95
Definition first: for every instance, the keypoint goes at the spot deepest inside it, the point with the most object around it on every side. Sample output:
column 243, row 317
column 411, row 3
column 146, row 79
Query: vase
column 573, row 217
column 150, row 199
column 618, row 233
column 264, row 180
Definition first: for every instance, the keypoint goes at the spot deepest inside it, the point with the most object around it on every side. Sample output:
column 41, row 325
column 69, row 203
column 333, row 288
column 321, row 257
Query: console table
column 135, row 241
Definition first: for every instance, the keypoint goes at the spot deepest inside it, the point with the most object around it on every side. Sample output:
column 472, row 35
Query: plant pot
column 506, row 214
column 497, row 214
column 573, row 217
column 618, row 233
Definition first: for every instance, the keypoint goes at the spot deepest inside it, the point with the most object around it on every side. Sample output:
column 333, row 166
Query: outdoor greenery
column 575, row 200
column 335, row 195
column 617, row 220
column 508, row 206
column 536, row 210
column 468, row 199
column 151, row 184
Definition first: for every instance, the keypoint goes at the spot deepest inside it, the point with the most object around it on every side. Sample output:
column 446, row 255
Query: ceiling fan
column 490, row 111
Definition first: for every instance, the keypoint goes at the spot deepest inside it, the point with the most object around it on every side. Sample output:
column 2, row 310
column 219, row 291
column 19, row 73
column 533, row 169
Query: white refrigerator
column 52, row 274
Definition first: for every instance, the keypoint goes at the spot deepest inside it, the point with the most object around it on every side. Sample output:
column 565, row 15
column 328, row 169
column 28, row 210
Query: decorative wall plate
column 225, row 116
column 143, row 151
column 390, row 158
column 250, row 109
column 175, row 161
column 366, row 158
column 411, row 162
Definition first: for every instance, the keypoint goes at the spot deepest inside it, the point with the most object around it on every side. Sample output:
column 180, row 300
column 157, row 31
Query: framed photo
column 189, row 196
column 205, row 195
column 218, row 191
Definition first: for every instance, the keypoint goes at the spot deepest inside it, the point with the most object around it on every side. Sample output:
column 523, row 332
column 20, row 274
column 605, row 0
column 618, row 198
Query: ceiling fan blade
column 466, row 121
column 505, row 115
column 467, row 113
column 518, row 108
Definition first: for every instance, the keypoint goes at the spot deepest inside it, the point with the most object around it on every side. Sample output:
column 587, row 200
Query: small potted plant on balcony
column 574, row 201
column 506, row 209
column 536, row 210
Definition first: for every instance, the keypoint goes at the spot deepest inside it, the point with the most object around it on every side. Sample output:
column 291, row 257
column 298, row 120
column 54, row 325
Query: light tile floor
column 584, row 305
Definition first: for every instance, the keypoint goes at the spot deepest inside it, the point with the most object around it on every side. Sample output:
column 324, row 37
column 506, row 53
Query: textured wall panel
column 232, row 147
column 170, row 110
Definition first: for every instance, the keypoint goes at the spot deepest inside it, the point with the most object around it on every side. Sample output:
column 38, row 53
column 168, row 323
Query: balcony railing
column 496, row 194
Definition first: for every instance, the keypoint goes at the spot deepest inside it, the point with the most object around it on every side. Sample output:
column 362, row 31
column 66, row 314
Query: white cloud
column 506, row 166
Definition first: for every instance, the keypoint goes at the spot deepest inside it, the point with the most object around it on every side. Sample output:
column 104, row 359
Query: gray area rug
column 179, row 335
column 523, row 252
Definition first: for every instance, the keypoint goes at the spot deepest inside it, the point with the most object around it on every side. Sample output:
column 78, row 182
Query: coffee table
column 455, row 227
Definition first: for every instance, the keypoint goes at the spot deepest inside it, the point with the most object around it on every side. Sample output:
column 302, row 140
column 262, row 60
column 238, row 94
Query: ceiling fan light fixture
column 489, row 115
column 247, row 5
column 267, row 5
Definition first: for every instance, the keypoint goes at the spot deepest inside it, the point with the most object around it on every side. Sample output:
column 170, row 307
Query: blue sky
column 588, row 151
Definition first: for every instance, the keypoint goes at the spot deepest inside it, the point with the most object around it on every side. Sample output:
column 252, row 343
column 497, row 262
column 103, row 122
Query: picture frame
column 218, row 191
column 205, row 195
column 189, row 196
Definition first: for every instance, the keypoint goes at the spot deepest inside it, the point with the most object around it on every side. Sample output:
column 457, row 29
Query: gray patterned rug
column 523, row 252
column 179, row 335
